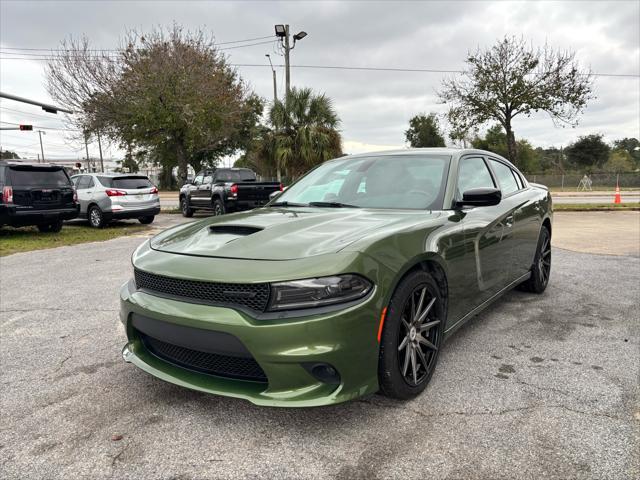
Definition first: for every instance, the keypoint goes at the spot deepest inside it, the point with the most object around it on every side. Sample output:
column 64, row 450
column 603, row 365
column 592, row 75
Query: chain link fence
column 598, row 181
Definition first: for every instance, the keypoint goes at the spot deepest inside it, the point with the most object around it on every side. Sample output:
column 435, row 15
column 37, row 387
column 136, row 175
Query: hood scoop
column 235, row 230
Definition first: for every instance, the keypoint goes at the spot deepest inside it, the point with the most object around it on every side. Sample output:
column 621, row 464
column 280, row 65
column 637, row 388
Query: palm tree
column 304, row 132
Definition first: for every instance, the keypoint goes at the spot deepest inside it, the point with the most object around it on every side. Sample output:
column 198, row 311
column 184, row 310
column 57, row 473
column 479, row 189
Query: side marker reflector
column 382, row 316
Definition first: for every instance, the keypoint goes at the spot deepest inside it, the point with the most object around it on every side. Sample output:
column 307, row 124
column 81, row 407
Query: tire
column 218, row 207
column 403, row 373
column 186, row 210
column 147, row 220
column 96, row 217
column 54, row 227
column 541, row 268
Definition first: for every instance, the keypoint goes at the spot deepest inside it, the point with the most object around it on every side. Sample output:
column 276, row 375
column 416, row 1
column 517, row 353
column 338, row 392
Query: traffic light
column 26, row 127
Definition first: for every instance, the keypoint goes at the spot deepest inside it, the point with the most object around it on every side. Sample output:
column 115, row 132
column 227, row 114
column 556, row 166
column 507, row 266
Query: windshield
column 125, row 182
column 39, row 177
column 402, row 181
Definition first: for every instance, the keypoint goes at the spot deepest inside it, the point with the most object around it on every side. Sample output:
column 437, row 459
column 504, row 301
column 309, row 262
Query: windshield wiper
column 288, row 204
column 332, row 205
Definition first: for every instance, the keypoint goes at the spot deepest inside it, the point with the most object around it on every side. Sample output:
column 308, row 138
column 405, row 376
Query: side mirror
column 273, row 195
column 481, row 197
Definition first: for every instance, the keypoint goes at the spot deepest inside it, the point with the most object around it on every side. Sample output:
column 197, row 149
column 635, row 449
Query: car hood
column 284, row 233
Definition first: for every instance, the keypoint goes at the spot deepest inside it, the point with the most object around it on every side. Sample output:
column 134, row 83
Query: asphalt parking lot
column 535, row 387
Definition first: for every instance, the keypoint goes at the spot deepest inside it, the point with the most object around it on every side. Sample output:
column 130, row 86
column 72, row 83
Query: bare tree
column 512, row 78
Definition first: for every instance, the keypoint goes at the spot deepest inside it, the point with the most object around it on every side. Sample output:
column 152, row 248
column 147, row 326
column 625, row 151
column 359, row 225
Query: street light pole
column 40, row 132
column 282, row 31
column 273, row 71
column 86, row 149
column 100, row 149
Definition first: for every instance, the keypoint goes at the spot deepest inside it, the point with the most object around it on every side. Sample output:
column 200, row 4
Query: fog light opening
column 324, row 372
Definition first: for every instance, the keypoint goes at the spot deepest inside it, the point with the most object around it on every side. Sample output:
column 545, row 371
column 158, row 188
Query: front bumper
column 345, row 339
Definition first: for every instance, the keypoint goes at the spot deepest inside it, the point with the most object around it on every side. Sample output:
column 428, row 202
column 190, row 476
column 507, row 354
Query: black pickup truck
column 36, row 194
column 225, row 190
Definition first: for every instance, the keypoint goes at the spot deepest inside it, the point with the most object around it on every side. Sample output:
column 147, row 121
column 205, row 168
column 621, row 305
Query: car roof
column 18, row 163
column 112, row 175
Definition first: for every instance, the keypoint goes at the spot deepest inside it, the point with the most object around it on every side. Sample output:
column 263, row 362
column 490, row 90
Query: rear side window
column 235, row 176
column 474, row 173
column 505, row 176
column 38, row 177
column 126, row 183
column 83, row 182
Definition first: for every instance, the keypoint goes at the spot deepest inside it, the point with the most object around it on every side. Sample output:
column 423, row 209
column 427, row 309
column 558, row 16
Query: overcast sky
column 374, row 106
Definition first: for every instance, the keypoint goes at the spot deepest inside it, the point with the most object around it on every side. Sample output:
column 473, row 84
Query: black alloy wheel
column 218, row 207
column 412, row 336
column 184, row 207
column 541, row 268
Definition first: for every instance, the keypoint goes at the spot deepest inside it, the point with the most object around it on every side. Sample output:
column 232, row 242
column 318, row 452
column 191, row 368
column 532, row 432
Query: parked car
column 225, row 190
column 346, row 284
column 109, row 196
column 36, row 194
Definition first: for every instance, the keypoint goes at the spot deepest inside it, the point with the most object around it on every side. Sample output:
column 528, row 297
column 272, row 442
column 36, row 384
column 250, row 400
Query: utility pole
column 86, row 149
column 282, row 31
column 40, row 132
column 100, row 149
column 273, row 71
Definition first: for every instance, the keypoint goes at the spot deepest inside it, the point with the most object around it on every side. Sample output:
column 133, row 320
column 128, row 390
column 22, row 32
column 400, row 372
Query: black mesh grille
column 253, row 296
column 210, row 363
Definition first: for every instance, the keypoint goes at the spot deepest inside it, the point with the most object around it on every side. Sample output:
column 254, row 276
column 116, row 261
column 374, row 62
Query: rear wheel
column 411, row 337
column 53, row 227
column 541, row 268
column 218, row 207
column 96, row 217
column 146, row 220
column 186, row 210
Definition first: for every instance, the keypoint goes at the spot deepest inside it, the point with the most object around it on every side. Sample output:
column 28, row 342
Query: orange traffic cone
column 617, row 198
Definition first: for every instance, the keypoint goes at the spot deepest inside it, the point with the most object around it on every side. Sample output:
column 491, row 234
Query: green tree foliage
column 170, row 92
column 8, row 155
column 620, row 161
column 510, row 79
column 630, row 145
column 495, row 140
column 424, row 131
column 303, row 132
column 588, row 152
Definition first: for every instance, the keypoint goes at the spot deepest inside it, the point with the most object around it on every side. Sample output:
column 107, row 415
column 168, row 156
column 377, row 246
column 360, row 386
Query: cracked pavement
column 534, row 387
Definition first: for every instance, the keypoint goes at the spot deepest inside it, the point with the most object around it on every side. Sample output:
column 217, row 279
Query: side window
column 518, row 179
column 91, row 183
column 473, row 173
column 505, row 177
column 83, row 182
column 74, row 180
column 198, row 180
column 207, row 180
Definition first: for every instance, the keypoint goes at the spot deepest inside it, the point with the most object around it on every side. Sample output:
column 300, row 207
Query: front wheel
column 411, row 337
column 541, row 268
column 186, row 210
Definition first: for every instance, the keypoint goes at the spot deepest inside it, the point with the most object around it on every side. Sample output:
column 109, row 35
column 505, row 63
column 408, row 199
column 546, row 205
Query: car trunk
column 41, row 188
column 138, row 191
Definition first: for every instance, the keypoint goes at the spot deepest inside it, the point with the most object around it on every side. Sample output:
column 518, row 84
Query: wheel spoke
column 423, row 315
column 413, row 306
column 403, row 343
column 406, row 325
column 420, row 302
column 427, row 326
column 426, row 342
column 414, row 366
column 407, row 356
column 422, row 359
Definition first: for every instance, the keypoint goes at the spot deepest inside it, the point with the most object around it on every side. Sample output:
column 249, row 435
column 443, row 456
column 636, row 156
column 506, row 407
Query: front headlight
column 318, row 292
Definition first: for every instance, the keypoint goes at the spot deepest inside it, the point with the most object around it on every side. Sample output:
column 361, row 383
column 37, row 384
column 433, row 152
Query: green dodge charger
column 345, row 284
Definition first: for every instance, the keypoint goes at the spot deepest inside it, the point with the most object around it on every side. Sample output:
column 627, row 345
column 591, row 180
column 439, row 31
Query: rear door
column 526, row 217
column 40, row 187
column 84, row 184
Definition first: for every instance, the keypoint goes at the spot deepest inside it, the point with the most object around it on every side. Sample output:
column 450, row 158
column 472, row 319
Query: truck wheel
column 96, row 217
column 54, row 227
column 146, row 220
column 218, row 207
column 187, row 211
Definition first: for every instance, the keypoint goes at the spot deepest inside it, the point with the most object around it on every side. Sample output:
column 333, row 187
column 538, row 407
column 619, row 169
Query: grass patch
column 25, row 239
column 595, row 207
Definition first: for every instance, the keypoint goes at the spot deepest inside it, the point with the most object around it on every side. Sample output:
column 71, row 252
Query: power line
column 369, row 69
column 46, row 128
